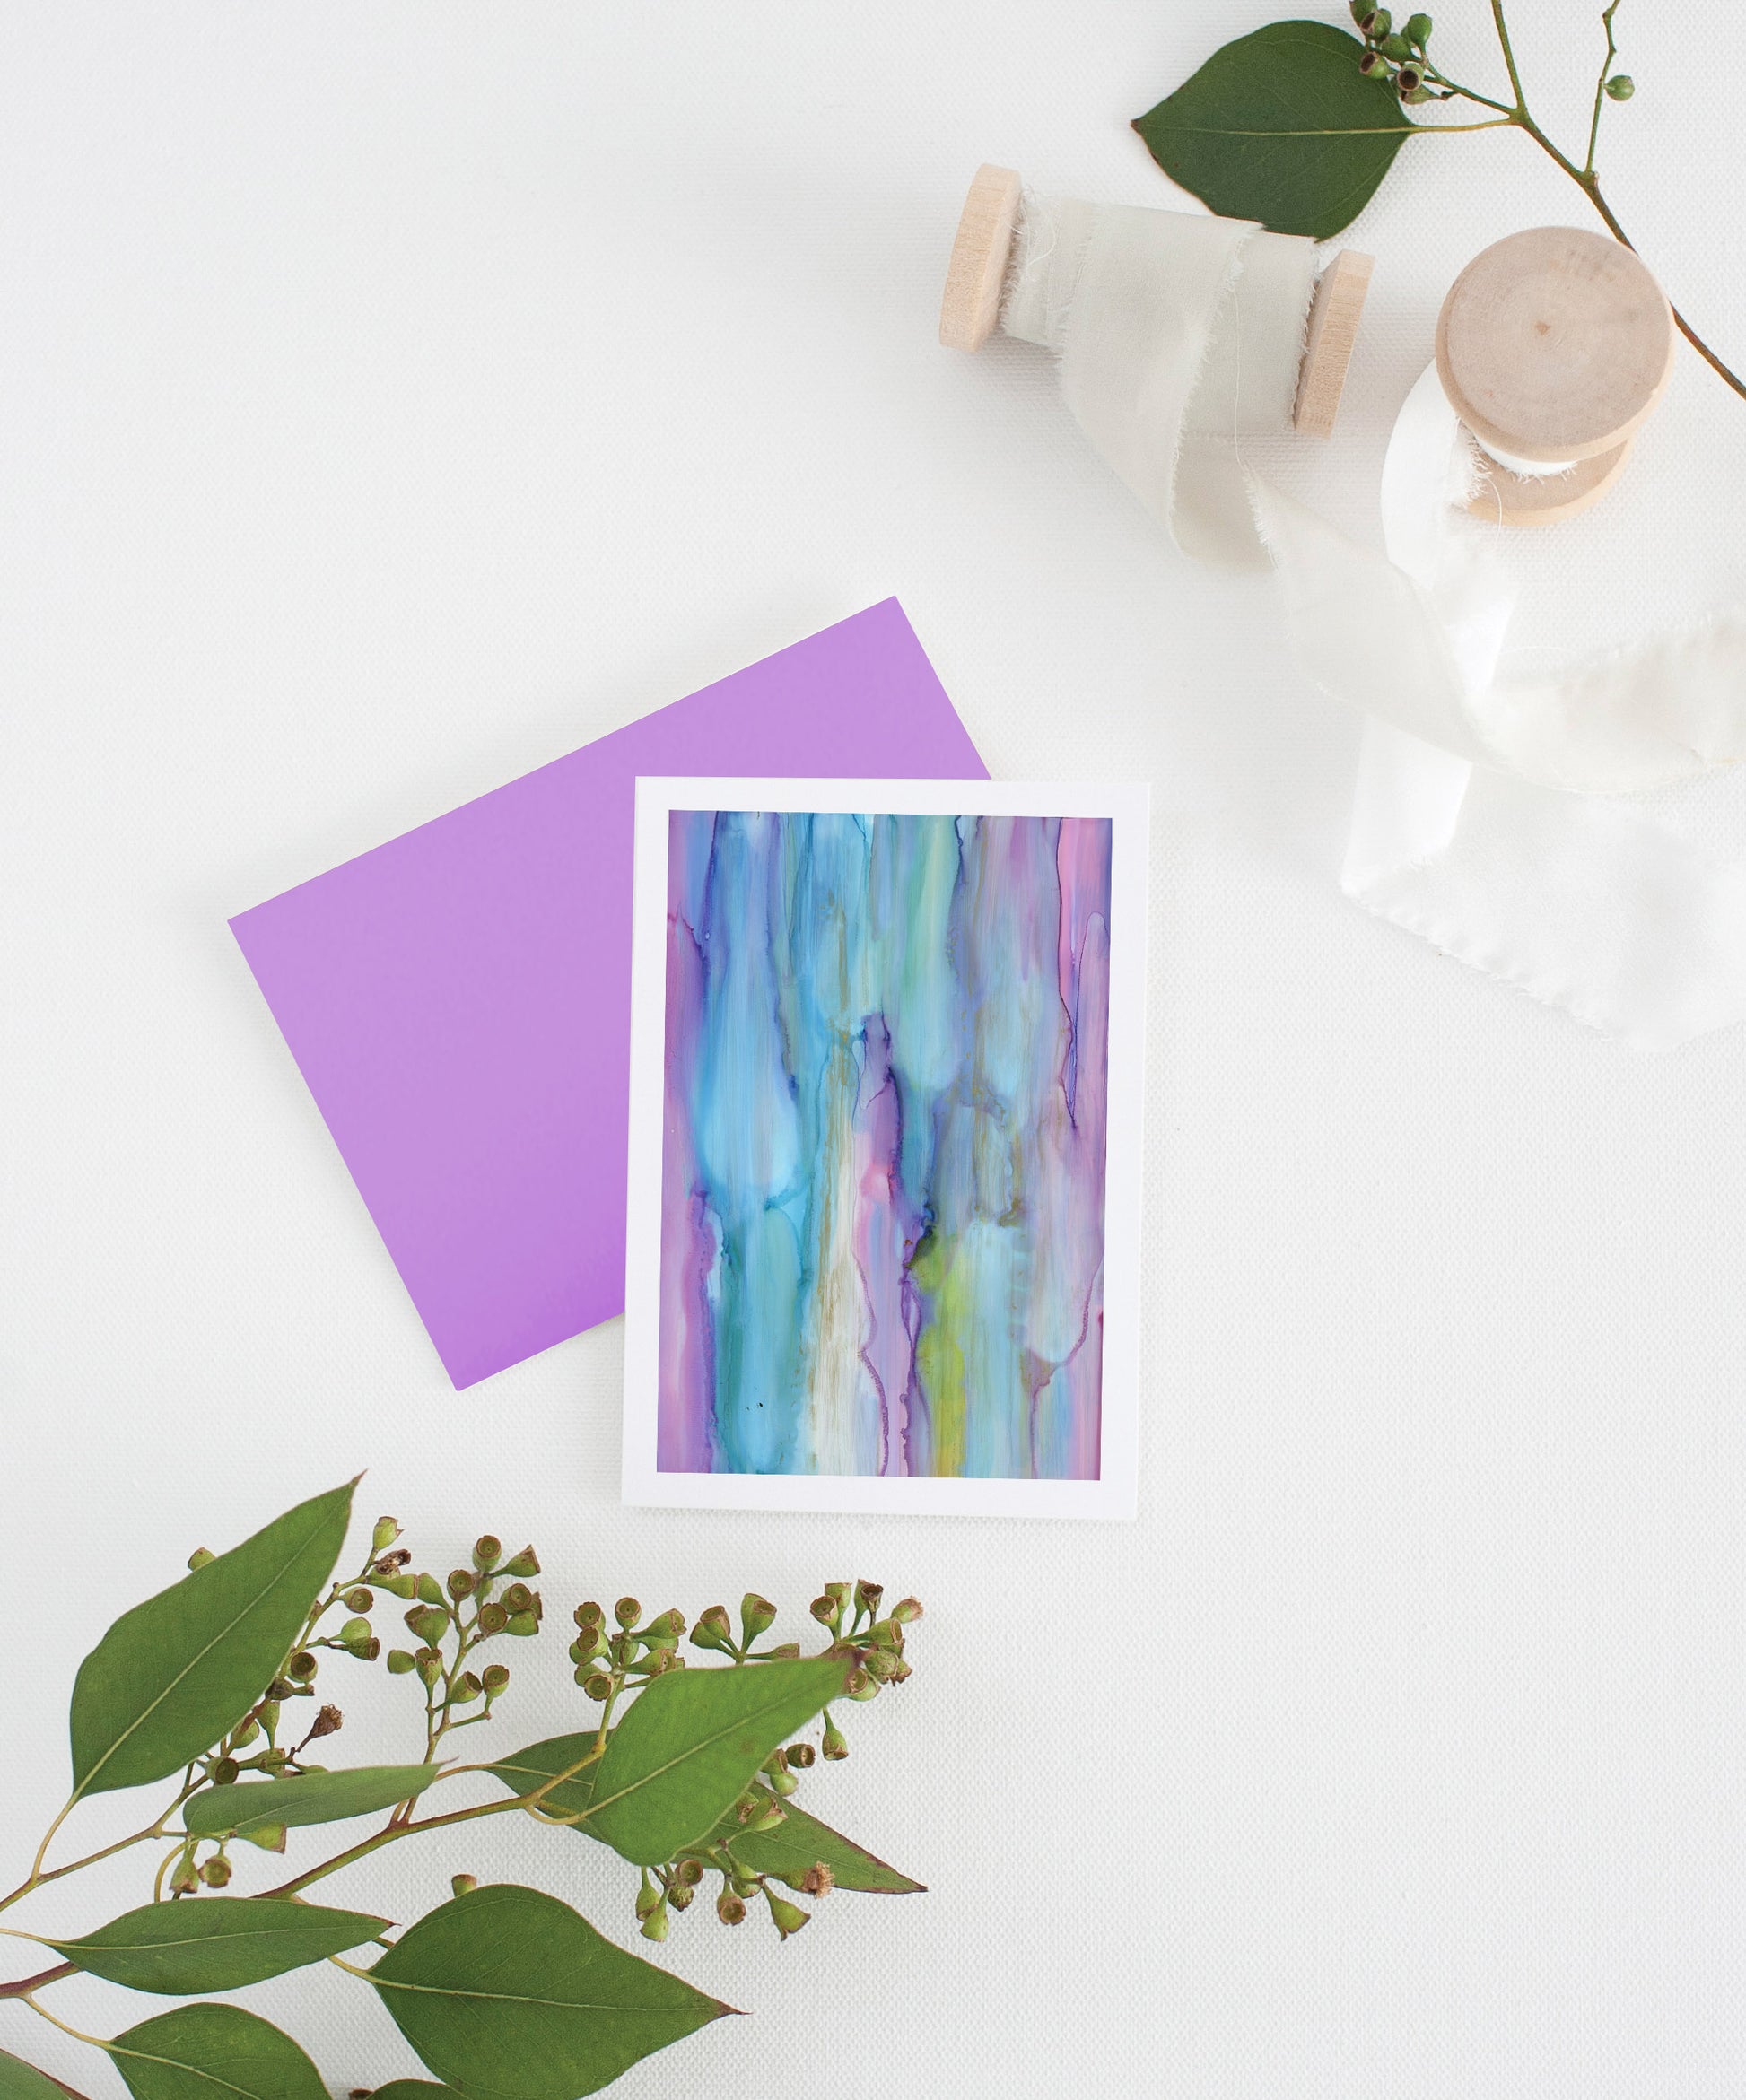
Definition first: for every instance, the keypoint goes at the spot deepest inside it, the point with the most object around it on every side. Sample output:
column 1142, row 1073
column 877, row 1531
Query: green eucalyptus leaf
column 508, row 1994
column 215, row 1942
column 170, row 1675
column 1282, row 126
column 213, row 2052
column 20, row 2081
column 789, row 1851
column 411, row 2089
column 314, row 1797
column 693, row 1743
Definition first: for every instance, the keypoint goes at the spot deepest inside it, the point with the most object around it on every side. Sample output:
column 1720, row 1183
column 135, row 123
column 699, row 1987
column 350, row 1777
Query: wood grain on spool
column 1555, row 345
column 1333, row 330
column 970, row 307
column 1504, row 498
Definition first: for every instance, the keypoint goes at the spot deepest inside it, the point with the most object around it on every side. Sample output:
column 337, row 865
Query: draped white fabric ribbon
column 1502, row 822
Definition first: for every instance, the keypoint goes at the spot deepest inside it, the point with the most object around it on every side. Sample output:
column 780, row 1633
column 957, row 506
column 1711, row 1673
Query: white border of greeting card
column 1115, row 1493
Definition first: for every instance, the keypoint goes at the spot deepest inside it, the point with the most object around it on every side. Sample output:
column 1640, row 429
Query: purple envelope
column 459, row 999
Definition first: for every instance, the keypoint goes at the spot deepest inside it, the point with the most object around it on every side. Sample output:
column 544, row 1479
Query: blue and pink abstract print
column 883, row 1193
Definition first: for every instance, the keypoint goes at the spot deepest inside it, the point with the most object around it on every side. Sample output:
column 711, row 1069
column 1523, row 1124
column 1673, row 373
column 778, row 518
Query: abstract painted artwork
column 882, row 1082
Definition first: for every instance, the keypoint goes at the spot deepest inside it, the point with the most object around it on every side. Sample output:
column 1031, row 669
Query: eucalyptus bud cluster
column 671, row 1888
column 357, row 1637
column 739, row 1886
column 605, row 1660
column 763, row 1848
column 616, row 1648
column 448, row 1619
column 864, row 1633
column 1397, row 57
column 877, row 1649
column 714, row 1630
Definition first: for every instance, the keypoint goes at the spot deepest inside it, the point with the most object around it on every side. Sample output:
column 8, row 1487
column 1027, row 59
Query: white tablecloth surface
column 393, row 397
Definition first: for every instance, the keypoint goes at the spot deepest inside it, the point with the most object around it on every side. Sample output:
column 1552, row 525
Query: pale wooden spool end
column 970, row 308
column 1506, row 498
column 1334, row 329
column 1554, row 346
column 976, row 276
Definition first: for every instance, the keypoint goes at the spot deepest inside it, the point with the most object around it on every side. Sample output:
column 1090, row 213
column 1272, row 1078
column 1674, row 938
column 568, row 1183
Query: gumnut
column 713, row 1629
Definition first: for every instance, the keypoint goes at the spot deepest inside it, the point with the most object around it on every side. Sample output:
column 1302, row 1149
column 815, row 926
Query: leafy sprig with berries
column 502, row 1991
column 1297, row 124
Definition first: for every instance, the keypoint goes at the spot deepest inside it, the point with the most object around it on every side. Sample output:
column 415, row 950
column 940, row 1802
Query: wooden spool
column 976, row 276
column 1553, row 346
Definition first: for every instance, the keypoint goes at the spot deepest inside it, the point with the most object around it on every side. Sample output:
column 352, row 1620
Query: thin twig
column 36, row 1880
column 530, row 1800
column 1607, row 15
column 78, row 2034
column 1521, row 118
column 26, row 1984
column 1509, row 56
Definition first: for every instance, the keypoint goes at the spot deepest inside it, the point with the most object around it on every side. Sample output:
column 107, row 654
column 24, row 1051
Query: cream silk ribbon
column 1503, row 822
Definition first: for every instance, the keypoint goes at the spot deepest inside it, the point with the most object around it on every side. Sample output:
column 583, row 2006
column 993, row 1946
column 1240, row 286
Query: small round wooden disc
column 1505, row 498
column 1555, row 344
column 1328, row 341
column 970, row 307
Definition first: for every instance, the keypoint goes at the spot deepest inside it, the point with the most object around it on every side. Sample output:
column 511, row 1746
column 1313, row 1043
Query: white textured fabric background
column 392, row 397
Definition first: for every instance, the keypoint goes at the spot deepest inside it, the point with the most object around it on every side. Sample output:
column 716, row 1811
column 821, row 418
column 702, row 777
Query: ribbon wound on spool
column 1177, row 336
column 1489, row 816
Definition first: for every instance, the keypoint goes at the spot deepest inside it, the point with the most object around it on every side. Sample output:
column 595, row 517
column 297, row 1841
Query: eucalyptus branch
column 1502, row 28
column 393, row 1831
column 391, row 1834
column 1401, row 60
column 78, row 2034
column 1601, row 96
column 40, row 1876
column 36, row 1875
column 145, row 1704
column 24, row 1985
